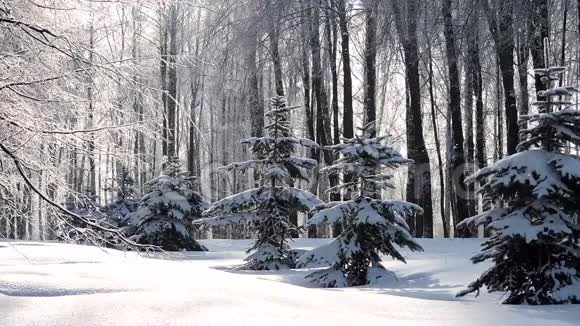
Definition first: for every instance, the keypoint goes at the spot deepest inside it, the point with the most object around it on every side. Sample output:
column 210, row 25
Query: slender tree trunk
column 347, row 116
column 500, row 21
column 323, row 135
column 522, row 54
column 322, row 112
column 473, row 49
column 538, row 31
column 473, row 72
column 499, row 119
column 172, row 84
column 256, row 108
column 370, row 59
column 274, row 46
column 139, row 149
column 332, row 40
column 91, row 142
column 563, row 44
column 444, row 216
column 212, row 157
column 458, row 200
column 419, row 175
column 163, row 35
column 347, row 113
column 370, row 72
column 198, row 171
column 305, row 31
column 192, row 153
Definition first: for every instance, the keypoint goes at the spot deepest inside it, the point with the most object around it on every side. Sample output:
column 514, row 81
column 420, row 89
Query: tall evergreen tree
column 165, row 214
column 267, row 208
column 370, row 226
column 534, row 247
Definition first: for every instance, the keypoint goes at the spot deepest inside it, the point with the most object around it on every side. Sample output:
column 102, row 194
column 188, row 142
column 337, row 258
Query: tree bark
column 256, row 107
column 473, row 89
column 323, row 137
column 419, row 175
column 370, row 59
column 538, row 31
column 347, row 110
column 163, row 35
column 347, row 116
column 523, row 51
column 458, row 200
column 444, row 216
column 332, row 40
column 477, row 79
column 91, row 142
column 274, row 35
column 500, row 22
column 172, row 83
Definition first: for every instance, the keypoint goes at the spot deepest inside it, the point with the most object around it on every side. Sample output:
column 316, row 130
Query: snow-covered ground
column 58, row 284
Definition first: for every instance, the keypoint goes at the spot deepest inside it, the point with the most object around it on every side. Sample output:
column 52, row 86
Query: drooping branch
column 61, row 208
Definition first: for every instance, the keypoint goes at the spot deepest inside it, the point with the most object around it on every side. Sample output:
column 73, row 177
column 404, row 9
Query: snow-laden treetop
column 170, row 195
column 276, row 166
column 273, row 152
column 364, row 157
column 557, row 123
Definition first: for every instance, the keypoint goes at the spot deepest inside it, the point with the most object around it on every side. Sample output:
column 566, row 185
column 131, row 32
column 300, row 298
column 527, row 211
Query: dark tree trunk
column 274, row 46
column 323, row 134
column 332, row 39
column 163, row 34
column 323, row 137
column 563, row 44
column 473, row 49
column 347, row 116
column 444, row 216
column 499, row 119
column 539, row 30
column 458, row 202
column 419, row 175
column 256, row 108
column 305, row 35
column 522, row 53
column 500, row 21
column 193, row 124
column 473, row 89
column 347, row 113
column 91, row 142
column 172, row 84
column 139, row 145
column 370, row 59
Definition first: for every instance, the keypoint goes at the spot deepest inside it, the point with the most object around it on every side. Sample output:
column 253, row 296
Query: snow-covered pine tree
column 370, row 226
column 165, row 214
column 268, row 207
column 119, row 210
column 534, row 247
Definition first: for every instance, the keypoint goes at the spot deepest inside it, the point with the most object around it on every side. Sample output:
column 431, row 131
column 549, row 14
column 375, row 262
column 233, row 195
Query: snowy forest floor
column 59, row 284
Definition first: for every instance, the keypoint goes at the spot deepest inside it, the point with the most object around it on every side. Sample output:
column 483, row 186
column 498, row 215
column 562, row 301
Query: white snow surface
column 59, row 284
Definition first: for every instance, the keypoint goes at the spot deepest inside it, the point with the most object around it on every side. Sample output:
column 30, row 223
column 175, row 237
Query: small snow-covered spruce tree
column 268, row 207
column 165, row 214
column 534, row 247
column 370, row 226
column 119, row 210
